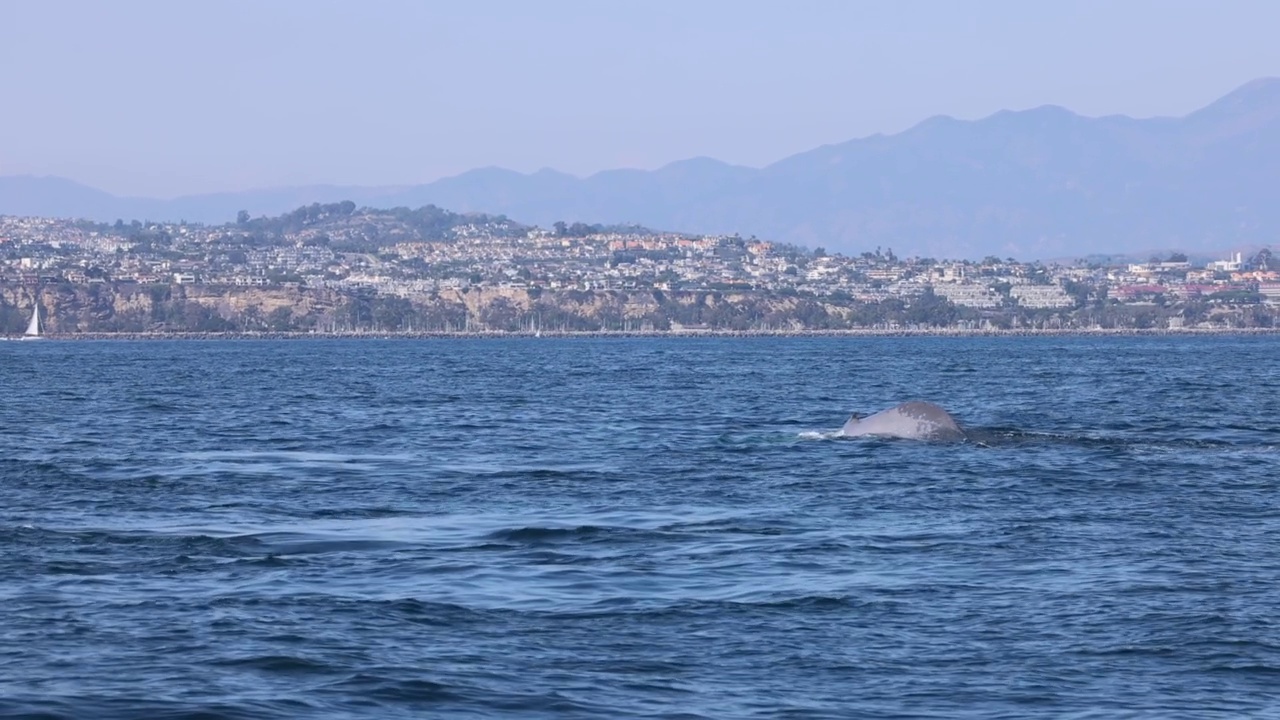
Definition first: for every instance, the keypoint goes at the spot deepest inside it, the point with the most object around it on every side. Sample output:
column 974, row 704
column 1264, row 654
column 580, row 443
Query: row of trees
column 428, row 222
column 581, row 230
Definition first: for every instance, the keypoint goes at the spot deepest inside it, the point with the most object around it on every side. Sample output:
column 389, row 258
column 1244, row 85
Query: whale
column 914, row 420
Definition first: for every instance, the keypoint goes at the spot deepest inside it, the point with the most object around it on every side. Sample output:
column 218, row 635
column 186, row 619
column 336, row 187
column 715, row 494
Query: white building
column 969, row 295
column 1232, row 264
column 1041, row 296
column 1270, row 292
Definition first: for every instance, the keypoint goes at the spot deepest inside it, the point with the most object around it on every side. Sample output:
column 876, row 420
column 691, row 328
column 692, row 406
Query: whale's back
column 915, row 420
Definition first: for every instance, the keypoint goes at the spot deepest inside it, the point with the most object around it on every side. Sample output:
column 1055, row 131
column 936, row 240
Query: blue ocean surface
column 639, row 528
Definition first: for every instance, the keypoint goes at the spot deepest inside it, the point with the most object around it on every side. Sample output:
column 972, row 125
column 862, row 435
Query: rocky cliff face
column 130, row 308
column 127, row 307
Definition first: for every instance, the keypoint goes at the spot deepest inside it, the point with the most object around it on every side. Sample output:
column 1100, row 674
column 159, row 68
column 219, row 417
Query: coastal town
column 339, row 268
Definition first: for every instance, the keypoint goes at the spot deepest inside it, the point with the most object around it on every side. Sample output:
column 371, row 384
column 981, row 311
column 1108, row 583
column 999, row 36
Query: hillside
column 1036, row 183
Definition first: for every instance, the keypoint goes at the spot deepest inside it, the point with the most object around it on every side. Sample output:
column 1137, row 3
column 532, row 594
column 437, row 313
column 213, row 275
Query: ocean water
column 559, row 528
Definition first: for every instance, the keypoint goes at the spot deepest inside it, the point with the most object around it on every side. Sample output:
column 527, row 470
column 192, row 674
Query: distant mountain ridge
column 1034, row 183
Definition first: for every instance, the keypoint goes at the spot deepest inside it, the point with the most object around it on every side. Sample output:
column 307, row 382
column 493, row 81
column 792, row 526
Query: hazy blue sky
column 176, row 96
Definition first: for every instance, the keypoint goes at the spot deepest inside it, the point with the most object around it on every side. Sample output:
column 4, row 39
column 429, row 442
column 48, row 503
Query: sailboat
column 33, row 329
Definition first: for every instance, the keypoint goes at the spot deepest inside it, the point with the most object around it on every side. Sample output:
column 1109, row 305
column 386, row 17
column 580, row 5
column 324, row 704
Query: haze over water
column 638, row 528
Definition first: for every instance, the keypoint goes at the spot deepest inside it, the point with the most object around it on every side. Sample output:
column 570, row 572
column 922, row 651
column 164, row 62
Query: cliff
column 69, row 309
column 129, row 307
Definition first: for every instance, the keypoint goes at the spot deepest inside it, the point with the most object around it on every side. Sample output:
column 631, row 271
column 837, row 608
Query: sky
column 163, row 98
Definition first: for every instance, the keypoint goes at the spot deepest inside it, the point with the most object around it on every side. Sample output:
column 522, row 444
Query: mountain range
column 1035, row 183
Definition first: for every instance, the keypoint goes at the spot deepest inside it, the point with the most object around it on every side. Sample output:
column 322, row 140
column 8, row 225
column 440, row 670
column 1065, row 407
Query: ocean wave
column 542, row 535
column 130, row 707
column 393, row 530
column 286, row 664
column 1013, row 438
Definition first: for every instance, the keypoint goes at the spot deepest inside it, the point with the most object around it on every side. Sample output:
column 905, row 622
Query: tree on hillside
column 1263, row 260
column 931, row 309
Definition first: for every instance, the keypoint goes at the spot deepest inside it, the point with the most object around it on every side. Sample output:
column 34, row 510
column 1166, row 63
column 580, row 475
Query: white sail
column 33, row 329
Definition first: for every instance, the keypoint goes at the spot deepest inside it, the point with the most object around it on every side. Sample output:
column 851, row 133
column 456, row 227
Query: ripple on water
column 640, row 528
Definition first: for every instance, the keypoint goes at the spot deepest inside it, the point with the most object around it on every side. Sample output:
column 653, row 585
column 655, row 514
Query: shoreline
column 863, row 332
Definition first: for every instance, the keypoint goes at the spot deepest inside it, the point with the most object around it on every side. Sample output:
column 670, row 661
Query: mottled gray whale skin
column 913, row 420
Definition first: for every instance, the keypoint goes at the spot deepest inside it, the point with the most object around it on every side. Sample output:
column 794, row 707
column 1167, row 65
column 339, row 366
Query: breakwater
column 701, row 333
